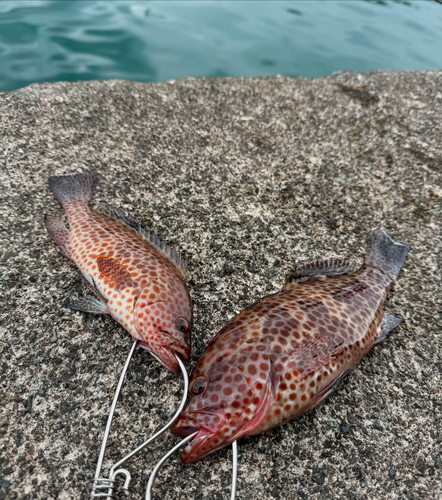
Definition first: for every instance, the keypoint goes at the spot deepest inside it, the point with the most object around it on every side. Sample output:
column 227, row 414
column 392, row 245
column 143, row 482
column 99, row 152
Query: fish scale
column 284, row 354
column 139, row 280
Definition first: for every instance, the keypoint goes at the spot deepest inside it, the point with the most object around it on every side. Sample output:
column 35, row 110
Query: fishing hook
column 184, row 441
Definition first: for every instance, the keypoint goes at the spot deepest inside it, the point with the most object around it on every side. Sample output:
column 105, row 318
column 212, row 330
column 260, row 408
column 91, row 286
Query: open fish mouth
column 194, row 450
column 191, row 452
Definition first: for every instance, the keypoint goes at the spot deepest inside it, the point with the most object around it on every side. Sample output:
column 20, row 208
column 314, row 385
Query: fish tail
column 385, row 254
column 77, row 187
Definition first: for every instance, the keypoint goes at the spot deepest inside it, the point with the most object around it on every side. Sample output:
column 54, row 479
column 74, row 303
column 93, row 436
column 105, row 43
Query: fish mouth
column 191, row 453
column 182, row 349
column 165, row 355
column 179, row 349
column 167, row 352
column 195, row 449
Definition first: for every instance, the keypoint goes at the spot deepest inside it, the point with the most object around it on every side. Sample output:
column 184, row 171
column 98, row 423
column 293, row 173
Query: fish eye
column 182, row 324
column 198, row 386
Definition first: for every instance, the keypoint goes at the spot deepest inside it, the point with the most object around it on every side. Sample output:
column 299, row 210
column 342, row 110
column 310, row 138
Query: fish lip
column 170, row 362
column 176, row 347
column 178, row 350
column 194, row 444
column 185, row 426
column 188, row 427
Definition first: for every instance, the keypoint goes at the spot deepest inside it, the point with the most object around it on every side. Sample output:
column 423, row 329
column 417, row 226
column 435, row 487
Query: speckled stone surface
column 247, row 178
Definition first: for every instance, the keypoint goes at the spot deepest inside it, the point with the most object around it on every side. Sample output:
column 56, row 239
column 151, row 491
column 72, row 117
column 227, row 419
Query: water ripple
column 157, row 41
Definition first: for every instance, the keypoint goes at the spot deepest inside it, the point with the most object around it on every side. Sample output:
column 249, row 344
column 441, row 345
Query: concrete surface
column 247, row 178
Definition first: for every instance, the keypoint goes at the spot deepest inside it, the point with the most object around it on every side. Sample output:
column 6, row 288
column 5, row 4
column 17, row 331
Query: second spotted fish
column 284, row 354
column 136, row 278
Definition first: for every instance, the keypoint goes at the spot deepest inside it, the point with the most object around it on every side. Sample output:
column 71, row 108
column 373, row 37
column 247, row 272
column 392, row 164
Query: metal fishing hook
column 176, row 447
column 108, row 484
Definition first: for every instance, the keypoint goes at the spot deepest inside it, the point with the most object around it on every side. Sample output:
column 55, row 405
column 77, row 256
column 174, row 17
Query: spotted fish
column 284, row 354
column 136, row 278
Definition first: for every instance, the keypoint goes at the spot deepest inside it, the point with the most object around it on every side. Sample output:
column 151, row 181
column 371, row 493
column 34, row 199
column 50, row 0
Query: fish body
column 284, row 354
column 137, row 279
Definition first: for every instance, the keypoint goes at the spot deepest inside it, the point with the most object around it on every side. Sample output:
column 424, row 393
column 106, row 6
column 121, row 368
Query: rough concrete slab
column 247, row 178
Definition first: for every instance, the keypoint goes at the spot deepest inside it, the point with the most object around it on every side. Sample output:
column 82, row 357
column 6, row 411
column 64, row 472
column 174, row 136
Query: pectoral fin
column 327, row 391
column 93, row 287
column 90, row 305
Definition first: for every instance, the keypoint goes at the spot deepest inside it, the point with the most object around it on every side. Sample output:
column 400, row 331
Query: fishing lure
column 283, row 355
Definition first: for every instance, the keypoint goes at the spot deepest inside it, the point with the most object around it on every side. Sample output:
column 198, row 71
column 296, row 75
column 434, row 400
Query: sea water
column 158, row 41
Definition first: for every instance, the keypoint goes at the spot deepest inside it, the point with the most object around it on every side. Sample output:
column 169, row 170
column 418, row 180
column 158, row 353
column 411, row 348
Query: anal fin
column 60, row 234
column 90, row 305
column 388, row 323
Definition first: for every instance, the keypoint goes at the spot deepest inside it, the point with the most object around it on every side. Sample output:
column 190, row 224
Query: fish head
column 163, row 318
column 228, row 399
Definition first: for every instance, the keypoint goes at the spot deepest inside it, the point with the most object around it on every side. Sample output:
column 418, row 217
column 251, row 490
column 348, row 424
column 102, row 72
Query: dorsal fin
column 331, row 267
column 165, row 250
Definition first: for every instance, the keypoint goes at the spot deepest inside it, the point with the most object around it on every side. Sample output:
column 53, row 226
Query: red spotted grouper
column 283, row 355
column 137, row 279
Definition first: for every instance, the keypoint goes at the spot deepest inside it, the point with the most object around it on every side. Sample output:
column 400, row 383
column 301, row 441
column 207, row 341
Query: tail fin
column 385, row 254
column 68, row 188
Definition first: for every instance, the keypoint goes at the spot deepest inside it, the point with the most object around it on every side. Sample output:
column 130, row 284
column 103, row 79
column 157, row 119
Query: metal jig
column 104, row 487
column 184, row 441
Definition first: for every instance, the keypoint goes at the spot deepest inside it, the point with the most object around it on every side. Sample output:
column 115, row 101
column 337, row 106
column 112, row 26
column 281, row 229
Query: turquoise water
column 157, row 41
